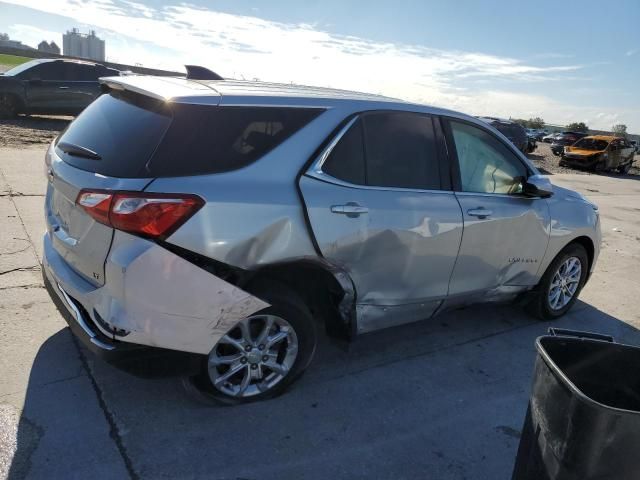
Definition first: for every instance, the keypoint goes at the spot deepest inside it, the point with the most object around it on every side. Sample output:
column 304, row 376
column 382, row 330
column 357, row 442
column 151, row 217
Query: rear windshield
column 137, row 137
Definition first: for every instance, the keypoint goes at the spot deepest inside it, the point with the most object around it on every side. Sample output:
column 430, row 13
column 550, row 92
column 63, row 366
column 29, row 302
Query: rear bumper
column 154, row 304
column 138, row 360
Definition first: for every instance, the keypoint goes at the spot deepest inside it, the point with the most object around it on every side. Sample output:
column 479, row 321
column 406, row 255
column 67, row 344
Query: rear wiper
column 78, row 151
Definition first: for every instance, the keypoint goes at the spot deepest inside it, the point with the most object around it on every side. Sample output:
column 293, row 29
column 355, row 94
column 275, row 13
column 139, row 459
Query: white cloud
column 32, row 36
column 250, row 47
column 629, row 53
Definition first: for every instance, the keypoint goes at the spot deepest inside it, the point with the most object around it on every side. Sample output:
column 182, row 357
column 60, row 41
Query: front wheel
column 261, row 355
column 561, row 284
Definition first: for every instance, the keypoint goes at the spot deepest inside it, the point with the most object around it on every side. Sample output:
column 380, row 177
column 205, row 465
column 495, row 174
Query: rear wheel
column 261, row 355
column 560, row 286
column 8, row 106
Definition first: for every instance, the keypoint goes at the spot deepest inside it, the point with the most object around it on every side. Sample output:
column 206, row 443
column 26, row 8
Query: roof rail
column 196, row 72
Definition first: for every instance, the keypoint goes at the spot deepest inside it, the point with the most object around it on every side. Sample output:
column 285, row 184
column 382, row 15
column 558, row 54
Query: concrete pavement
column 441, row 399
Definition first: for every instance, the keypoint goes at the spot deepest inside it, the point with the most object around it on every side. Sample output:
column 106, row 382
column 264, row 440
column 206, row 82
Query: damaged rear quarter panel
column 166, row 301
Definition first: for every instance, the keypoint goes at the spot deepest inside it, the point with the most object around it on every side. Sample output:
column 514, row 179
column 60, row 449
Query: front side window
column 44, row 71
column 387, row 149
column 486, row 164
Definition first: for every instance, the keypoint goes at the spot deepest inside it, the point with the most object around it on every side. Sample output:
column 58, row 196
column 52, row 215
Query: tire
column 541, row 305
column 8, row 106
column 286, row 306
column 624, row 169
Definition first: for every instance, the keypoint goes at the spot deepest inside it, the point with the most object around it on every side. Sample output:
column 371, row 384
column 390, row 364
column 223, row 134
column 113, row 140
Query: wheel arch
column 21, row 103
column 588, row 245
column 327, row 290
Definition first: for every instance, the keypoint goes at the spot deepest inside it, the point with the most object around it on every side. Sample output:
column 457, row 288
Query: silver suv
column 221, row 222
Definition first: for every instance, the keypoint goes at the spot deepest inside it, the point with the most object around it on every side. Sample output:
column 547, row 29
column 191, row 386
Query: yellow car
column 600, row 153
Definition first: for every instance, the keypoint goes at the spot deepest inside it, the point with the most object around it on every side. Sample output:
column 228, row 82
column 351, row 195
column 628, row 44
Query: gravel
column 33, row 130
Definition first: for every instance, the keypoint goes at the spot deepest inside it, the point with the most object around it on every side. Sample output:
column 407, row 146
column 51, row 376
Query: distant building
column 7, row 43
column 43, row 46
column 76, row 44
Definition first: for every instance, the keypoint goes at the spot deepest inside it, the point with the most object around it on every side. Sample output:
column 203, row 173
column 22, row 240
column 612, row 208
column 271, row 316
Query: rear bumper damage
column 152, row 302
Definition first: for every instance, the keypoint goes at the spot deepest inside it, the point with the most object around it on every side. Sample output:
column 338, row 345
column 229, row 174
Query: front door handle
column 63, row 88
column 481, row 212
column 351, row 209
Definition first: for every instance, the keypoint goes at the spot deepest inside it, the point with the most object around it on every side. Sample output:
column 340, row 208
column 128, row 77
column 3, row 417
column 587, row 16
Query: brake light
column 154, row 215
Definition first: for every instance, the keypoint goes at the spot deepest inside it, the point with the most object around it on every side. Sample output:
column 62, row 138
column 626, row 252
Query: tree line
column 537, row 123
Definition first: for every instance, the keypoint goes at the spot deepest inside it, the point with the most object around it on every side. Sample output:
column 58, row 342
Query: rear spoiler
column 196, row 72
column 160, row 88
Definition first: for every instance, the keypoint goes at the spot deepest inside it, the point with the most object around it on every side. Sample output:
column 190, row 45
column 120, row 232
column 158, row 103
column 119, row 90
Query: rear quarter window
column 205, row 139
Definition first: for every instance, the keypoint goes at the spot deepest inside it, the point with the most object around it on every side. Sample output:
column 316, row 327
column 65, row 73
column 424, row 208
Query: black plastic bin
column 583, row 420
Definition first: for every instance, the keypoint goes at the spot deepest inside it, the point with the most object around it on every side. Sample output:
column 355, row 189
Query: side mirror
column 537, row 186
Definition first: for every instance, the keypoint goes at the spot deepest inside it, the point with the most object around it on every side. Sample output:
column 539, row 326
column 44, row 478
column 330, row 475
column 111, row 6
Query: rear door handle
column 480, row 212
column 63, row 88
column 350, row 209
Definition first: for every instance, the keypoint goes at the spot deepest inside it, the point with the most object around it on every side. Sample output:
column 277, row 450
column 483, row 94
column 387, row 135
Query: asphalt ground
column 440, row 399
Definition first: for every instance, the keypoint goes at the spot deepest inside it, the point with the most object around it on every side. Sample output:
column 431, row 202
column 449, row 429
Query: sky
column 562, row 61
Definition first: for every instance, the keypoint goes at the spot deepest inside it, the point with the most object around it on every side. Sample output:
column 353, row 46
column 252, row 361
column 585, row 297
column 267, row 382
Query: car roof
column 495, row 119
column 176, row 88
column 37, row 61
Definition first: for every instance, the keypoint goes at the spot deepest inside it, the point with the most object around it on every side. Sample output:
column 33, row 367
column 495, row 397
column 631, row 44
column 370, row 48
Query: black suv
column 513, row 131
column 51, row 86
column 565, row 139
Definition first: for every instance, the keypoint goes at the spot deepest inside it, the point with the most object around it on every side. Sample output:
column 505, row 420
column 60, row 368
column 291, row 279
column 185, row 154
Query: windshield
column 22, row 67
column 591, row 144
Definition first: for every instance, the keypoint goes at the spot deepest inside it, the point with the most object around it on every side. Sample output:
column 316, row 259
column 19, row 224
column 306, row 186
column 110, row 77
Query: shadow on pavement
column 441, row 399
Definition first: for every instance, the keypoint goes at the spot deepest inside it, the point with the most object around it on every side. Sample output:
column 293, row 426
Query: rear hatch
column 106, row 147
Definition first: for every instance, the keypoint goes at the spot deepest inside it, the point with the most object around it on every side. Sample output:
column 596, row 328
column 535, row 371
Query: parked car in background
column 537, row 133
column 51, row 86
column 600, row 153
column 563, row 139
column 512, row 130
column 634, row 144
column 306, row 206
column 532, row 137
column 550, row 137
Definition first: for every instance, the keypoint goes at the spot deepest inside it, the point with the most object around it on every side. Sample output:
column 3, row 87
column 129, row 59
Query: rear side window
column 78, row 72
column 401, row 151
column 138, row 137
column 204, row 139
column 387, row 149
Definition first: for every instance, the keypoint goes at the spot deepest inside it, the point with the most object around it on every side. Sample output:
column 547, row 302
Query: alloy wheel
column 254, row 356
column 564, row 283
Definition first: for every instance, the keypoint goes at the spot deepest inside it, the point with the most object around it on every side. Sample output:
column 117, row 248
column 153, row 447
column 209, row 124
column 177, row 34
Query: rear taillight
column 154, row 215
